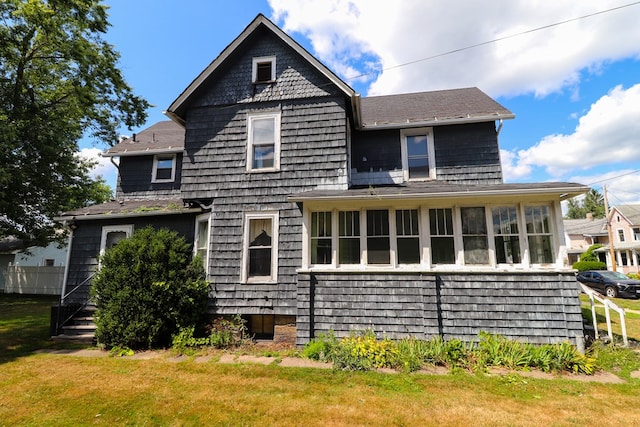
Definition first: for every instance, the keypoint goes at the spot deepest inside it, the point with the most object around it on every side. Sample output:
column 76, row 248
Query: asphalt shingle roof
column 428, row 107
column 162, row 136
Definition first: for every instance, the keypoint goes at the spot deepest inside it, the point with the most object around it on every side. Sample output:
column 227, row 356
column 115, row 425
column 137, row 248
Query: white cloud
column 606, row 134
column 344, row 33
column 103, row 168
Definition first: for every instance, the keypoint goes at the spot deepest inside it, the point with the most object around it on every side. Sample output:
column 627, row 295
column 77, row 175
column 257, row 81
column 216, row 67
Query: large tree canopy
column 59, row 81
column 592, row 203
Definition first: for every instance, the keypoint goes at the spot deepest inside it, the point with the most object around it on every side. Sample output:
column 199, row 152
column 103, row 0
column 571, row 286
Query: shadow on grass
column 24, row 325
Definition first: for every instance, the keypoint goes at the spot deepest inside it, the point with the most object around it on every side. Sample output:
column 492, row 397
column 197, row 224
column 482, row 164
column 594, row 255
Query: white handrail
column 608, row 304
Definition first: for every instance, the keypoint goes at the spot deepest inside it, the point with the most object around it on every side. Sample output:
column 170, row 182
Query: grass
column 49, row 389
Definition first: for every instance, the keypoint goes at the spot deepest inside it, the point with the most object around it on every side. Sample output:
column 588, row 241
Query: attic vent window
column 264, row 69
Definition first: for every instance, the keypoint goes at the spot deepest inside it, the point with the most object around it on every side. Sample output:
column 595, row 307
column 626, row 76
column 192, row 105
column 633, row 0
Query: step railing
column 608, row 306
column 86, row 283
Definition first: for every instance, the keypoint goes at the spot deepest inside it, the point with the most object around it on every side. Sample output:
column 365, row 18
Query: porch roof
column 621, row 246
column 440, row 189
column 129, row 208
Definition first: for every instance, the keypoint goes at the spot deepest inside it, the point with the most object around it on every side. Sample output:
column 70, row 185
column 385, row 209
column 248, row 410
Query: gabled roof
column 162, row 137
column 630, row 212
column 431, row 108
column 443, row 189
column 586, row 227
column 177, row 109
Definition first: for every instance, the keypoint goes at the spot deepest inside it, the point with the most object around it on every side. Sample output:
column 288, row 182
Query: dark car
column 610, row 283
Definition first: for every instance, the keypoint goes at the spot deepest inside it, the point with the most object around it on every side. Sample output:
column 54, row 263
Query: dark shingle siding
column 539, row 308
column 135, row 173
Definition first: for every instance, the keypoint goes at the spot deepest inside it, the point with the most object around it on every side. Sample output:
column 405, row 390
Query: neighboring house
column 32, row 270
column 317, row 210
column 625, row 229
column 580, row 234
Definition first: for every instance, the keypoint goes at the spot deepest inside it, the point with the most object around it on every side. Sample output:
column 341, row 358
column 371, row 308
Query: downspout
column 499, row 128
column 66, row 267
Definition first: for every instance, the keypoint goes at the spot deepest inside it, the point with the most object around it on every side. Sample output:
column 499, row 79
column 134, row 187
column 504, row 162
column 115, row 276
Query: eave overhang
column 436, row 121
column 147, row 152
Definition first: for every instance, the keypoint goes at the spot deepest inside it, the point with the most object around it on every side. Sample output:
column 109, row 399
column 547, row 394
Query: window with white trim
column 620, row 235
column 263, row 141
column 538, row 223
column 408, row 237
column 474, row 235
column 349, row 237
column 442, row 236
column 260, row 247
column 378, row 240
column 113, row 234
column 263, row 69
column 418, row 154
column 321, row 238
column 201, row 243
column 164, row 168
column 506, row 236
column 636, row 233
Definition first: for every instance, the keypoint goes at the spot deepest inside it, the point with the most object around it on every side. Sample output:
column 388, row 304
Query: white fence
column 34, row 280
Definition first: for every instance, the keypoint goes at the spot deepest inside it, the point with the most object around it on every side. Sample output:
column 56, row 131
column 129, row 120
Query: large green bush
column 147, row 289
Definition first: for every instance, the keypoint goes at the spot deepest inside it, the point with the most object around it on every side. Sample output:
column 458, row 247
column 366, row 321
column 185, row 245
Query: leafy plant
column 226, row 333
column 147, row 289
column 362, row 352
column 322, row 347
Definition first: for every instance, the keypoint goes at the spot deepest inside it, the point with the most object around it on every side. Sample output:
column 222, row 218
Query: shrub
column 321, row 348
column 362, row 352
column 225, row 333
column 147, row 289
column 589, row 265
column 634, row 276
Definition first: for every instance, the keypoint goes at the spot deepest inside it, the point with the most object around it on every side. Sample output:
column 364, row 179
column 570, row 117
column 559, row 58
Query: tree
column 147, row 289
column 593, row 203
column 58, row 82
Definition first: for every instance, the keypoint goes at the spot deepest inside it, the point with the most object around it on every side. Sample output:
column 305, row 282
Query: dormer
column 150, row 162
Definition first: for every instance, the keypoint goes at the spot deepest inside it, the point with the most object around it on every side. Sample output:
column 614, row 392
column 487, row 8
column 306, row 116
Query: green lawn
column 49, row 389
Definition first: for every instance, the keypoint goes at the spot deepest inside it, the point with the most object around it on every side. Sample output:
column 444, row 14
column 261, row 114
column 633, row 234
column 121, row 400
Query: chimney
column 589, row 216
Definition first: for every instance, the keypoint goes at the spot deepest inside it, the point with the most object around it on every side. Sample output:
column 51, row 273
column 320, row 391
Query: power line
column 614, row 177
column 544, row 27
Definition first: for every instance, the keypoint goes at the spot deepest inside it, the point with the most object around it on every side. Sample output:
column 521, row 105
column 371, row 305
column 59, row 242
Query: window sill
column 262, row 280
column 434, row 269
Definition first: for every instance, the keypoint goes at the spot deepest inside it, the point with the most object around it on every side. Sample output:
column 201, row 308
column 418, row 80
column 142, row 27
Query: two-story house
column 625, row 231
column 317, row 210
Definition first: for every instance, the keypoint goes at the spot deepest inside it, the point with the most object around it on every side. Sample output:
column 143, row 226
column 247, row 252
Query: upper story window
column 263, row 142
column 620, row 235
column 636, row 233
column 264, row 69
column 418, row 154
column 164, row 168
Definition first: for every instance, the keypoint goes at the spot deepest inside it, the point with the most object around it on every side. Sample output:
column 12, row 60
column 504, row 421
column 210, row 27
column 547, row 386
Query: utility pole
column 612, row 254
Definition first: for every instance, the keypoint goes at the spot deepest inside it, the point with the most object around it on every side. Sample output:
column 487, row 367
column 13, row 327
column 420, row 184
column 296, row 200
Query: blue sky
column 574, row 87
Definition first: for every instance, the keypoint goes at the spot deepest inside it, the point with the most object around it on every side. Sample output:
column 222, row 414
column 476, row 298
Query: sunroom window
column 378, row 245
column 506, row 236
column 349, row 237
column 539, row 234
column 441, row 230
column 408, row 240
column 474, row 235
column 321, row 238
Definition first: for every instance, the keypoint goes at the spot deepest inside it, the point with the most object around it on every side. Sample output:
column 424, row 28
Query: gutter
column 437, row 122
column 148, row 151
column 564, row 193
column 132, row 214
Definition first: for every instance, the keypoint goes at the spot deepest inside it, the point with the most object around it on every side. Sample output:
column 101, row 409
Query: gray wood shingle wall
column 538, row 308
column 134, row 179
column 313, row 155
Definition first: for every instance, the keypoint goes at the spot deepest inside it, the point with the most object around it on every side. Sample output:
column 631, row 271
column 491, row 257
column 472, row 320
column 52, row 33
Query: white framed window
column 201, row 241
column 407, row 236
column 164, row 168
column 474, row 235
column 636, row 233
column 263, row 141
column 321, row 252
column 260, row 248
column 263, row 69
column 620, row 235
column 349, row 237
column 506, row 235
column 539, row 234
column 442, row 236
column 418, row 154
column 113, row 234
column 378, row 238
